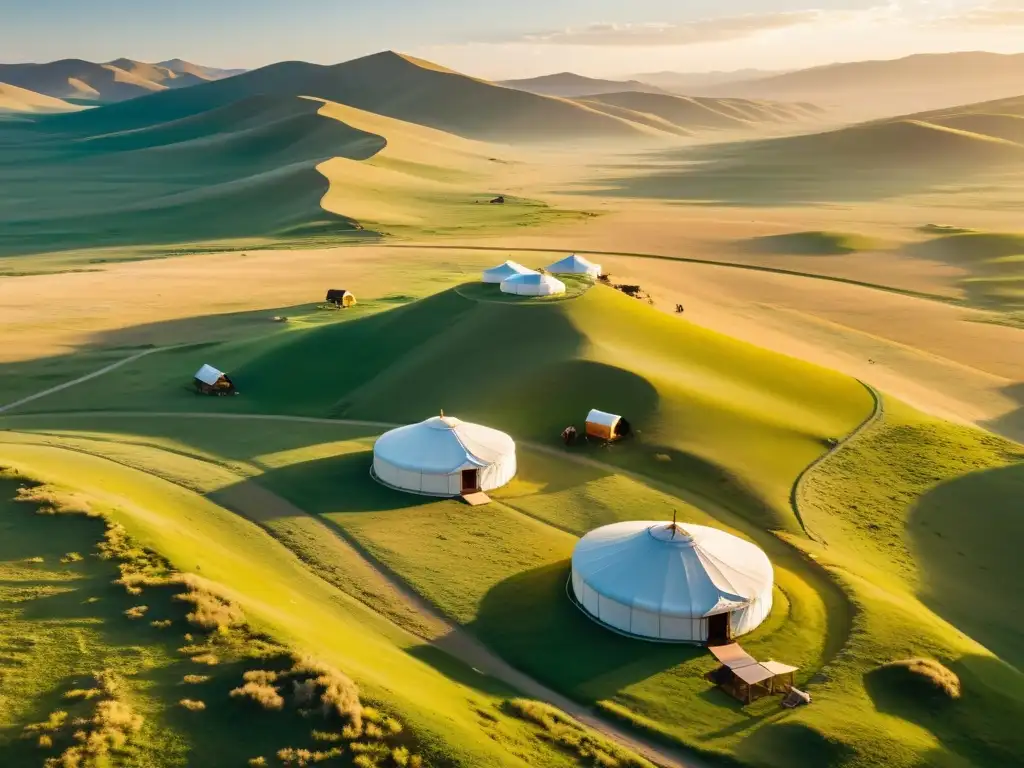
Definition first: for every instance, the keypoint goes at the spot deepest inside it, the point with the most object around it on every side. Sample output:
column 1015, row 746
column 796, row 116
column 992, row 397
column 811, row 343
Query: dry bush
column 259, row 676
column 210, row 611
column 209, row 659
column 373, row 731
column 194, row 679
column 400, row 757
column 325, row 736
column 33, row 560
column 161, row 623
column 302, row 757
column 71, row 557
column 394, row 727
column 257, row 762
column 53, row 723
column 45, row 741
column 927, row 675
column 267, row 696
column 137, row 612
column 338, row 693
column 192, row 705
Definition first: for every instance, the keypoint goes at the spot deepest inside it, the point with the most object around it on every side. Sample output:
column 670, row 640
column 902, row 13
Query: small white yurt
column 575, row 265
column 505, row 271
column 532, row 284
column 672, row 582
column 444, row 456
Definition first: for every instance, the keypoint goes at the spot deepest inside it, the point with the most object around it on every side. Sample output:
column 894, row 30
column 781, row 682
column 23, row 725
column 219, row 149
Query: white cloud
column 685, row 33
column 998, row 13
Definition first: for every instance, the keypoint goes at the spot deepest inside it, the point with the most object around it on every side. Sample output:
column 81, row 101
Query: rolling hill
column 722, row 430
column 865, row 161
column 395, row 86
column 890, row 87
column 694, row 82
column 697, row 114
column 569, row 84
column 123, row 176
column 198, row 70
column 104, row 82
column 15, row 99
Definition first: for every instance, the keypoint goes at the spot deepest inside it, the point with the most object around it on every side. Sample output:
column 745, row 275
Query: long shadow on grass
column 983, row 725
column 970, row 559
column 529, row 620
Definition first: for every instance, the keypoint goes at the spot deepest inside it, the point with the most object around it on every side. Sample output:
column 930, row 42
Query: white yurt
column 533, row 284
column 444, row 456
column 575, row 265
column 505, row 271
column 672, row 582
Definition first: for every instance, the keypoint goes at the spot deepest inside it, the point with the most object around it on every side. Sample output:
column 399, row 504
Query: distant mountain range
column 417, row 91
column 90, row 82
column 693, row 82
column 856, row 90
column 890, row 87
column 568, row 84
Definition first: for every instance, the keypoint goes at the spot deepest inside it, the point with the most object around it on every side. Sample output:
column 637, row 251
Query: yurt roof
column 208, row 375
column 573, row 263
column 509, row 268
column 442, row 445
column 600, row 417
column 676, row 570
column 534, row 278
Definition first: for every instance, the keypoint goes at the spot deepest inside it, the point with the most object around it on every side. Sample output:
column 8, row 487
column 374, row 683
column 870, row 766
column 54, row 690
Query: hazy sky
column 510, row 38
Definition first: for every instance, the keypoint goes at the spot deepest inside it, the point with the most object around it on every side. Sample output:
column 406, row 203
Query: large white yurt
column 672, row 582
column 533, row 284
column 575, row 265
column 505, row 271
column 444, row 456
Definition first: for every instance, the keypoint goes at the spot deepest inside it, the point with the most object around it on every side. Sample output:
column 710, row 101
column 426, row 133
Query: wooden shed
column 209, row 381
column 339, row 297
column 742, row 677
column 606, row 426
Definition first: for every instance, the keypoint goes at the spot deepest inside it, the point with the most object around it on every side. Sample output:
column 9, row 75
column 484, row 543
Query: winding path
column 795, row 494
column 81, row 379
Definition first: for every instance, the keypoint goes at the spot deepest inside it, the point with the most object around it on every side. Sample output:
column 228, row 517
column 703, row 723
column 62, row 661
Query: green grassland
column 279, row 596
column 282, row 513
column 117, row 184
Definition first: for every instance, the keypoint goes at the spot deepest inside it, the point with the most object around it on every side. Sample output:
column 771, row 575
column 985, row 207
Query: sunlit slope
column 198, row 178
column 422, row 178
column 735, row 419
column 15, row 99
column 280, row 595
column 694, row 113
column 404, row 88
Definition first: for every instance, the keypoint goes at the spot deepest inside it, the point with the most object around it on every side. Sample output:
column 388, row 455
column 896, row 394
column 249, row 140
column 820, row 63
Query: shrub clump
column 193, row 705
column 264, row 694
column 926, row 676
column 109, row 726
column 209, row 611
column 194, row 679
column 137, row 612
column 161, row 623
column 71, row 557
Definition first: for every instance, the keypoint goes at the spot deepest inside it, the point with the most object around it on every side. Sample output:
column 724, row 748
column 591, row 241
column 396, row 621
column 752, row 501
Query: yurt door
column 719, row 630
column 469, row 480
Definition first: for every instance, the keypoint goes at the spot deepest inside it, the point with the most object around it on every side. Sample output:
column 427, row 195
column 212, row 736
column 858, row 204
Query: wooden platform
column 476, row 499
